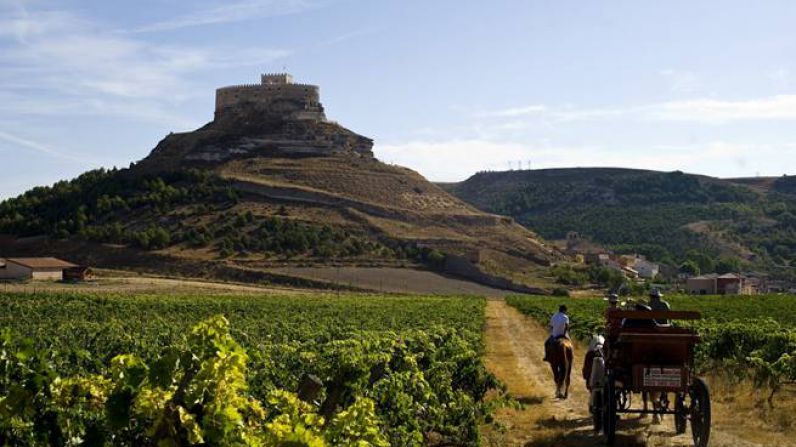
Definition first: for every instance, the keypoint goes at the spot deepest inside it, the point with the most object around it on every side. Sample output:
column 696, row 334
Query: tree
column 705, row 262
column 141, row 239
column 728, row 265
column 689, row 268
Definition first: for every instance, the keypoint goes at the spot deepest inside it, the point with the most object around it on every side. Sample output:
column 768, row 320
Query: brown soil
column 391, row 280
column 127, row 282
column 514, row 353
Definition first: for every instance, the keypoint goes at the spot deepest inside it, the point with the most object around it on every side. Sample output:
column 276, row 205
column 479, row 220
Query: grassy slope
column 259, row 213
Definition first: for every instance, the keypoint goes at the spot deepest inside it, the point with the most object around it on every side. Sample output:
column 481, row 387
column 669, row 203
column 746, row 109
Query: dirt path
column 514, row 354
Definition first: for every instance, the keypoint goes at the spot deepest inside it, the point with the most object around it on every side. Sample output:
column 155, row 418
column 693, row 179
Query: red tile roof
column 41, row 263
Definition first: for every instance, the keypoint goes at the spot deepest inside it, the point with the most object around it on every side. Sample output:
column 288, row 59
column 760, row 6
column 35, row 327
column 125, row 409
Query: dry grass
column 517, row 427
column 114, row 281
column 741, row 408
column 360, row 179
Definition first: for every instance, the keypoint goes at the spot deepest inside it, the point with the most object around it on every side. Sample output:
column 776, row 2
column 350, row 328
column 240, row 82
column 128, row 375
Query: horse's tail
column 569, row 355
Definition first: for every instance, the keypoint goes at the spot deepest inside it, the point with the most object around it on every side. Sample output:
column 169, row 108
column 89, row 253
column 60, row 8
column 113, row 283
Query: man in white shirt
column 559, row 326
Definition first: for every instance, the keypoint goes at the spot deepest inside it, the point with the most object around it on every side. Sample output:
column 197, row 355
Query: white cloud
column 227, row 12
column 57, row 62
column 27, row 144
column 700, row 110
column 451, row 160
column 780, row 107
column 513, row 112
column 781, row 76
column 681, row 81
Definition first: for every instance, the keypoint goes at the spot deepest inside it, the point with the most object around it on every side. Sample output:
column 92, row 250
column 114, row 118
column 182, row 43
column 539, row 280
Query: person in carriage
column 657, row 304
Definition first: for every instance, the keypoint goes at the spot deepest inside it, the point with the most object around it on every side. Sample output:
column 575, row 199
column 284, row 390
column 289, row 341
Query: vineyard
column 89, row 369
column 752, row 337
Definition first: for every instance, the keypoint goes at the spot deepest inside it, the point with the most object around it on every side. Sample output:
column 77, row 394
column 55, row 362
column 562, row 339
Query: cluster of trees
column 243, row 233
column 285, row 236
column 785, row 184
column 648, row 213
column 570, row 275
column 698, row 262
column 153, row 237
column 115, row 206
column 87, row 206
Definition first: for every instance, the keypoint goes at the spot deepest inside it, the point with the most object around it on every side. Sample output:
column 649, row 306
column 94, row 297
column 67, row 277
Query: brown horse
column 561, row 357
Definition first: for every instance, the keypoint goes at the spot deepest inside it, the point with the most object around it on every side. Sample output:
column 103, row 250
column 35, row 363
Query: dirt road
column 514, row 354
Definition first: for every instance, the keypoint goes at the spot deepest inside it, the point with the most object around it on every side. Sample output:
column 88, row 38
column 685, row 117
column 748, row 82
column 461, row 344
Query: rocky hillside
column 669, row 216
column 257, row 189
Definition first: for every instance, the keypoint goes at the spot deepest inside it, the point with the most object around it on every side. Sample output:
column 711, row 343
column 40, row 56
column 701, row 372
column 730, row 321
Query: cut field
column 111, row 281
column 391, row 280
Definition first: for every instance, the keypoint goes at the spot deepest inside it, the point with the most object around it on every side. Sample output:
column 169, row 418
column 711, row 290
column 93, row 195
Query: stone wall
column 293, row 98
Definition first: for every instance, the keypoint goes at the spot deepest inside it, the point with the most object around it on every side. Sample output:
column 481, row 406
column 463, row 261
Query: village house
column 34, row 268
column 715, row 284
column 646, row 269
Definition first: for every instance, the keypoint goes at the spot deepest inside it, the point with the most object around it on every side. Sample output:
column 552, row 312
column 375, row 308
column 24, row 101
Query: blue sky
column 445, row 87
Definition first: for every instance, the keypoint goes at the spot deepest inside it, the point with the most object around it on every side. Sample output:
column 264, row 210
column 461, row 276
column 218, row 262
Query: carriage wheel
column 597, row 410
column 609, row 410
column 700, row 413
column 680, row 415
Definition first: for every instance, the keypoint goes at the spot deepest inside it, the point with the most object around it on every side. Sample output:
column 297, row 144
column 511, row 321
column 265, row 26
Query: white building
column 34, row 268
column 646, row 269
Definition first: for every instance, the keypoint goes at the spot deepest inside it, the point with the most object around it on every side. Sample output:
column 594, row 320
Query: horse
column 596, row 344
column 561, row 357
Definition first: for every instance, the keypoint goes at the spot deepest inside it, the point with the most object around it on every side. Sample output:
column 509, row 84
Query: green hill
column 259, row 188
column 668, row 216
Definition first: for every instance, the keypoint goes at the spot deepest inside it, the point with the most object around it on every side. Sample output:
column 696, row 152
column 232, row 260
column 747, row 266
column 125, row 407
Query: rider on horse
column 559, row 328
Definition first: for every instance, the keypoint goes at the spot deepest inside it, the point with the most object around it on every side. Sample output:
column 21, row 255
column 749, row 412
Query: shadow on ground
column 585, row 439
column 569, row 424
column 579, row 433
column 530, row 400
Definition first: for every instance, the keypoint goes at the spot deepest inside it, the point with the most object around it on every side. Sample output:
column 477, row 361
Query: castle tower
column 276, row 79
column 275, row 95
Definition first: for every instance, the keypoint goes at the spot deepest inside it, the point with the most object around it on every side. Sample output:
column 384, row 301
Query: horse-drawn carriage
column 645, row 357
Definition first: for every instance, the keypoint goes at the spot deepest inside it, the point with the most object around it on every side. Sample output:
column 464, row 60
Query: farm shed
column 34, row 268
column 702, row 285
column 79, row 273
column 713, row 284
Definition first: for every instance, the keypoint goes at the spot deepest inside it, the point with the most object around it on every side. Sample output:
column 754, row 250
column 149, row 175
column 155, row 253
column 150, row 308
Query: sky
column 447, row 88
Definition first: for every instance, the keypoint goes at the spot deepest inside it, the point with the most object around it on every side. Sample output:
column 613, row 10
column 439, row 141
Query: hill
column 669, row 216
column 269, row 183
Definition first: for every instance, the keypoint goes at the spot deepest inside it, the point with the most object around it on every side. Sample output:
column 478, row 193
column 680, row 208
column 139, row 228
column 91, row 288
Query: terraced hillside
column 253, row 191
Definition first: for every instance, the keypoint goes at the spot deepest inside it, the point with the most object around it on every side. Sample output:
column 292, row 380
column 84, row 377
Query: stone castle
column 276, row 118
column 276, row 93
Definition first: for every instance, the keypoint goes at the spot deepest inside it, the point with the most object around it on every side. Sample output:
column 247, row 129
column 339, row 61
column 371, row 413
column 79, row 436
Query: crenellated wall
column 276, row 91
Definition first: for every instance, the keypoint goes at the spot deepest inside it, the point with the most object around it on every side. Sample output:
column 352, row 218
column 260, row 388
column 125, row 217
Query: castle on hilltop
column 276, row 93
column 275, row 118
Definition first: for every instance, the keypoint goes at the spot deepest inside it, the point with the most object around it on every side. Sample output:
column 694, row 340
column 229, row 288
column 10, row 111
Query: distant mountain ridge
column 666, row 215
